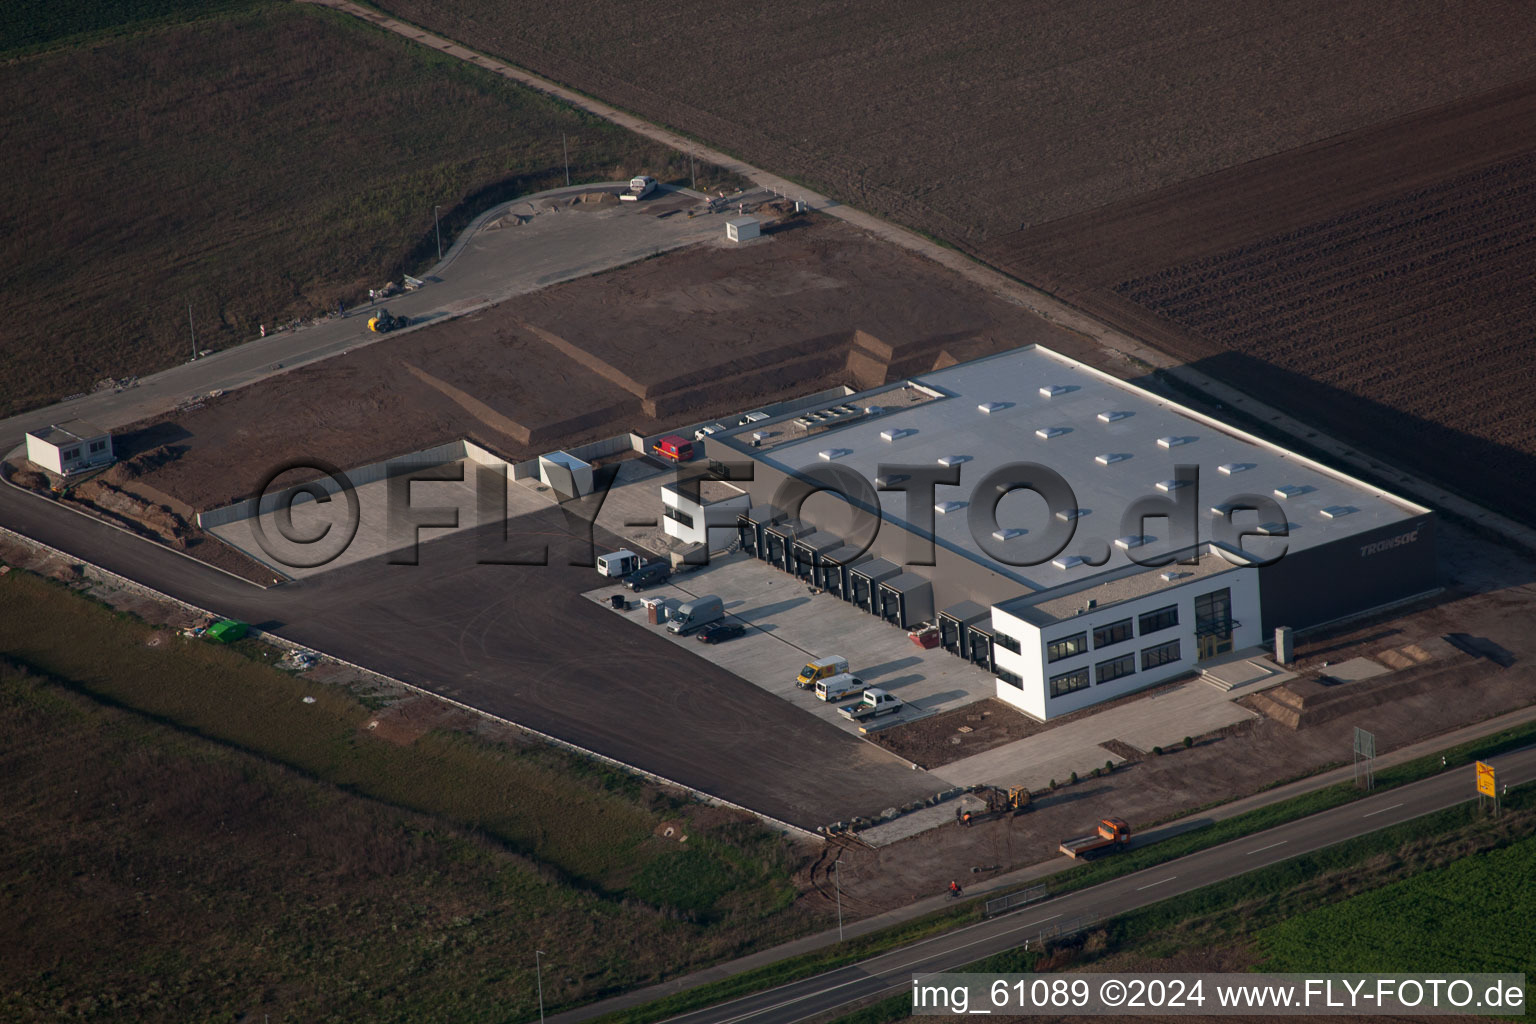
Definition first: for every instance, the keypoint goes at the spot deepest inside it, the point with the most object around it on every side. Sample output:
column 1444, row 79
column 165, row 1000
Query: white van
column 844, row 684
column 696, row 614
column 617, row 563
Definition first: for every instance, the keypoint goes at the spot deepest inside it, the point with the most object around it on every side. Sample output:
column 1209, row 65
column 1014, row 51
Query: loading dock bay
column 788, row 626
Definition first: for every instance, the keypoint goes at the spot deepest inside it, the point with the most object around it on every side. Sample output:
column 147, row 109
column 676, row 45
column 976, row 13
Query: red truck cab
column 678, row 449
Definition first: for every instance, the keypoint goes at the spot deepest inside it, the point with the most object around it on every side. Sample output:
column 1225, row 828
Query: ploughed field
column 968, row 120
column 249, row 162
column 1377, row 287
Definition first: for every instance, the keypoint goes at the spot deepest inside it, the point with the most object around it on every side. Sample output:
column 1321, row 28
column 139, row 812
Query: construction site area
column 703, row 332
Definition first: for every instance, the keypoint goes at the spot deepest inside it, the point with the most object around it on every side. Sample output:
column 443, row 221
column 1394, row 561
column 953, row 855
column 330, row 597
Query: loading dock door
column 949, row 634
column 746, row 531
column 891, row 606
column 752, row 526
column 773, row 550
column 953, row 634
column 864, row 581
column 810, row 550
column 978, row 646
column 906, row 600
column 779, row 539
column 836, row 569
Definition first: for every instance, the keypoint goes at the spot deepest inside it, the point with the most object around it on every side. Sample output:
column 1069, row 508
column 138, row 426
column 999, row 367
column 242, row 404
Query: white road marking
column 1381, row 811
column 1160, row 881
column 1271, row 846
column 1041, row 921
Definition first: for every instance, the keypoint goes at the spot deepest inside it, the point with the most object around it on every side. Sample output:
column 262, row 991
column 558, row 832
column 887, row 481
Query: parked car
column 721, row 632
column 648, row 576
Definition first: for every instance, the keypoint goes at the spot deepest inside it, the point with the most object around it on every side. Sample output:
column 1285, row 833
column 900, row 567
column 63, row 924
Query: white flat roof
column 1112, row 442
column 68, row 432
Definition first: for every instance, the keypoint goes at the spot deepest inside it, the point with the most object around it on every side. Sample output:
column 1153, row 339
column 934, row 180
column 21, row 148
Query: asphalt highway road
column 892, row 972
column 520, row 642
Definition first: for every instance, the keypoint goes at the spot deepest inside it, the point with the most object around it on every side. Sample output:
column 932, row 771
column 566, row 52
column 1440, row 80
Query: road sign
column 1365, row 743
column 1485, row 784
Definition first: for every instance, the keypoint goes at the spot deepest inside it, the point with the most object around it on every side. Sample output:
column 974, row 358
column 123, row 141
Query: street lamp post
column 438, row 227
column 539, row 975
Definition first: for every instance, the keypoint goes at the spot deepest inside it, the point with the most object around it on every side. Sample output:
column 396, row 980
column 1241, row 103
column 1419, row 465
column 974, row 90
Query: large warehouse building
column 1073, row 535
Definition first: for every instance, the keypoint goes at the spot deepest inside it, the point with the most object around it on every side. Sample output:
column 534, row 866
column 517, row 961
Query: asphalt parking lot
column 787, row 626
column 520, row 641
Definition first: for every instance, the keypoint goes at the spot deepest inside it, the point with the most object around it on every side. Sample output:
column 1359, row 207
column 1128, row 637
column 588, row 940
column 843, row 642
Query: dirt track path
column 1042, row 304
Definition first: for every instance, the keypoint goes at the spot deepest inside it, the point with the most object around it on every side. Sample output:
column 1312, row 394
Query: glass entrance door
column 1213, row 624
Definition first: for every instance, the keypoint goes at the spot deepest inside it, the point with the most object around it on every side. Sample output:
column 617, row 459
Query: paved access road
column 485, row 265
column 892, row 972
column 520, row 642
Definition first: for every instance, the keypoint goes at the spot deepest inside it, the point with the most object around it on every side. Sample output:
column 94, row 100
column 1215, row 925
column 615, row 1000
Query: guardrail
column 1014, row 900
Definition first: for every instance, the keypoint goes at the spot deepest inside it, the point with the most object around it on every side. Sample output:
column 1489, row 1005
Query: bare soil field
column 1375, row 286
column 970, row 120
column 258, row 165
column 702, row 332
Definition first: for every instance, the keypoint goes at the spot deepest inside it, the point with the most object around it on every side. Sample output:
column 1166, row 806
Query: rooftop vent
column 891, row 479
column 756, row 416
column 953, row 460
column 1291, row 490
column 1052, row 390
column 1172, row 485
column 946, row 507
column 1008, row 533
column 1069, row 514
column 1133, row 541
column 873, row 410
column 1172, row 441
column 1110, row 458
column 760, row 435
column 834, row 453
column 1046, row 433
column 1339, row 511
column 1224, row 509
column 1169, row 577
column 896, row 433
column 1112, row 416
column 991, row 407
column 1234, row 467
column 1068, row 561
column 1275, row 529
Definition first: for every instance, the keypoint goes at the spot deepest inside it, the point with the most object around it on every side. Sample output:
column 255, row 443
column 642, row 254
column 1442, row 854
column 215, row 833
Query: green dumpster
column 226, row 631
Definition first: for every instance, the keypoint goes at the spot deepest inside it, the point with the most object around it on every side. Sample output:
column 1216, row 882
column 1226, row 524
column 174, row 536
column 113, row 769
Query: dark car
column 648, row 576
column 720, row 632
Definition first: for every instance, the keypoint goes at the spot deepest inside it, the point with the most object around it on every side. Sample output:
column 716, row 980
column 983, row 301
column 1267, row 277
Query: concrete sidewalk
column 1034, row 873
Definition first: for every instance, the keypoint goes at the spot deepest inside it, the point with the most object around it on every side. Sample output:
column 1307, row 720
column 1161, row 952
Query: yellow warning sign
column 1485, row 779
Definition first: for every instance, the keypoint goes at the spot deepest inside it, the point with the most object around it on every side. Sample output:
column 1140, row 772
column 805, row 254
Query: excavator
column 1000, row 803
column 382, row 323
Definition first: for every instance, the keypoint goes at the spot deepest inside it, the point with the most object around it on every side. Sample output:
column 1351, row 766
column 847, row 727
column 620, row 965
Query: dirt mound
column 143, row 463
column 31, row 479
column 159, row 522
